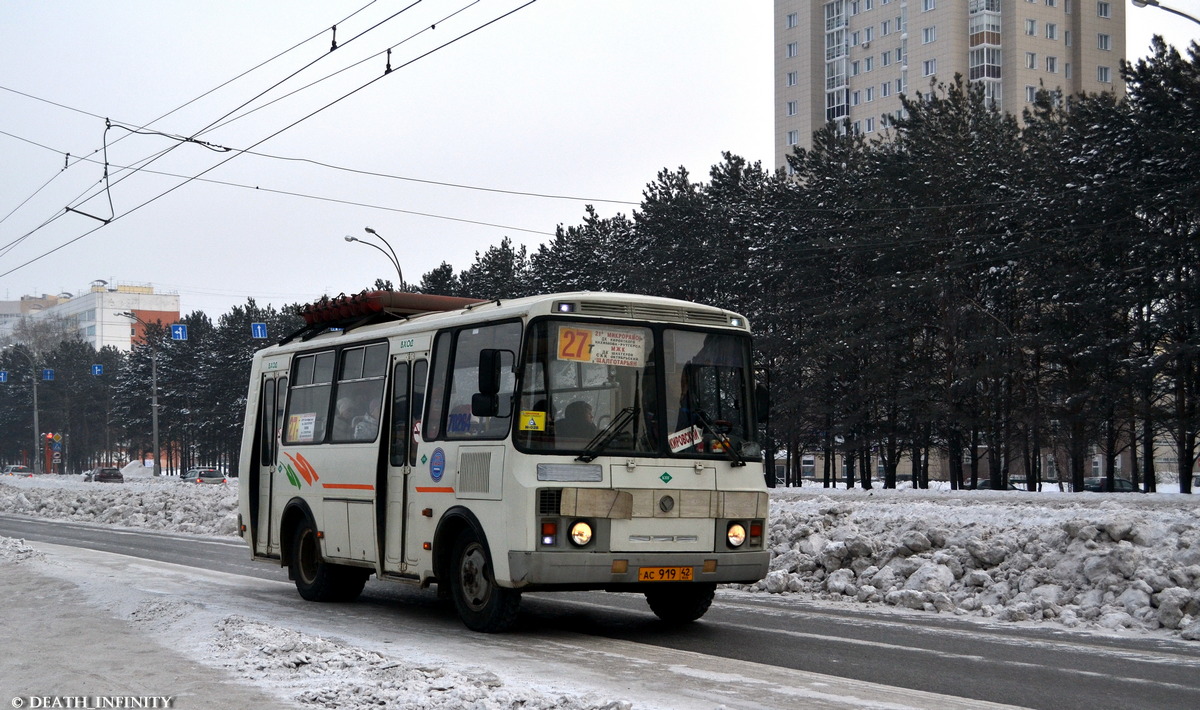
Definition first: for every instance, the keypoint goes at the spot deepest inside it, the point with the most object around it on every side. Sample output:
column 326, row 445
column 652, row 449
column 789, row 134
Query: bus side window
column 280, row 401
column 266, row 425
column 437, row 387
column 505, row 338
column 420, row 372
column 308, row 399
column 400, row 411
column 359, row 393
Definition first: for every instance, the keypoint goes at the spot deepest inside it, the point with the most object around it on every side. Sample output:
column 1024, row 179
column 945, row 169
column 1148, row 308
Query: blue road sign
column 3, row 375
column 258, row 330
column 97, row 369
column 47, row 374
column 178, row 331
column 56, row 446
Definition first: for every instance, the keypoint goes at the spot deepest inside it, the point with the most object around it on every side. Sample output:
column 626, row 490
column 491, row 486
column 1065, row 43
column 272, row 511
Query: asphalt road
column 1038, row 667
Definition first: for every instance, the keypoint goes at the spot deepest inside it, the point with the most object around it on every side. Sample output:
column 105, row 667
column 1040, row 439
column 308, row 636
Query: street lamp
column 1156, row 3
column 35, row 452
column 153, row 392
column 390, row 253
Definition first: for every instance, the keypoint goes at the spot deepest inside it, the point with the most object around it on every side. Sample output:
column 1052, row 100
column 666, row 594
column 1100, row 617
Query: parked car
column 202, row 475
column 17, row 470
column 985, row 484
column 1100, row 485
column 104, row 475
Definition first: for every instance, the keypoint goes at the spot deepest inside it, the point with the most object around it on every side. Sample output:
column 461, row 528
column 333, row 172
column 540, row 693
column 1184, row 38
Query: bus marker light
column 427, row 546
column 320, row 534
column 427, row 512
column 620, row 566
column 710, row 566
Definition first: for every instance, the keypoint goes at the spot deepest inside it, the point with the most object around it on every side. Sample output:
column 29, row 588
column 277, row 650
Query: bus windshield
column 590, row 388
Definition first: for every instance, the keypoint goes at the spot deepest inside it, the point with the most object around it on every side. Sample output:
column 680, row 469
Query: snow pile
column 14, row 551
column 150, row 503
column 1107, row 561
column 1112, row 561
column 334, row 674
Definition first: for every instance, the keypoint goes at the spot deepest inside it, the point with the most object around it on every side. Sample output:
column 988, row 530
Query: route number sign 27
column 602, row 345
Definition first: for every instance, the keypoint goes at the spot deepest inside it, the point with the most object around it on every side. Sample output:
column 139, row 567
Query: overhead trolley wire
column 259, row 188
column 460, row 186
column 272, row 135
column 213, row 123
column 346, row 68
column 68, row 162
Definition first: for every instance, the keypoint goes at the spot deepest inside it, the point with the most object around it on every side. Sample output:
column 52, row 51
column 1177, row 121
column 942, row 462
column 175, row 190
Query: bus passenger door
column 409, row 373
column 271, row 401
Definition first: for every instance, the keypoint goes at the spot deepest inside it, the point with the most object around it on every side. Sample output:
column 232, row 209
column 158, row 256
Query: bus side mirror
column 485, row 405
column 762, row 401
column 489, row 371
column 486, row 402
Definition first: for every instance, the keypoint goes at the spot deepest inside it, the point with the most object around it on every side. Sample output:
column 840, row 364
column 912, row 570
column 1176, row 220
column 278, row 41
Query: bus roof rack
column 353, row 311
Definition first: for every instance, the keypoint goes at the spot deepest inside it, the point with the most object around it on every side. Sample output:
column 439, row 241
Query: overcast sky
column 565, row 98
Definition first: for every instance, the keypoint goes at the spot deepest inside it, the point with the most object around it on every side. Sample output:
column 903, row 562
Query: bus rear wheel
column 681, row 604
column 481, row 603
column 318, row 580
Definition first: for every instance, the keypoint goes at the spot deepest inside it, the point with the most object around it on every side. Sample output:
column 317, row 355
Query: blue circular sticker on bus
column 437, row 464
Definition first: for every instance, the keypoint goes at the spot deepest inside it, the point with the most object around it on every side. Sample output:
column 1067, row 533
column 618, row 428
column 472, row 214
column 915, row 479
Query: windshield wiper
column 606, row 435
column 726, row 444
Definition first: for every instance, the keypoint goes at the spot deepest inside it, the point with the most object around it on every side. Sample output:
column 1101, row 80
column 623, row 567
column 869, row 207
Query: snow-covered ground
column 1114, row 561
column 1103, row 563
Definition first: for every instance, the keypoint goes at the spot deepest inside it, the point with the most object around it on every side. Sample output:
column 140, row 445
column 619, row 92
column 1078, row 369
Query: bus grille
column 653, row 312
column 473, row 471
column 549, row 501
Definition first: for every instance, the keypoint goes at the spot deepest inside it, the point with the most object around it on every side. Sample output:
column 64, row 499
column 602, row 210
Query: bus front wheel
column 680, row 604
column 318, row 580
column 480, row 602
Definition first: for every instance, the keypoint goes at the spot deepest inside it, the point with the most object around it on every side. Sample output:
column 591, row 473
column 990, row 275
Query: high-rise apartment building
column 849, row 60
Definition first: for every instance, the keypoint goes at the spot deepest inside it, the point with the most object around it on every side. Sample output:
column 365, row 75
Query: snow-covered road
column 1095, row 563
column 99, row 624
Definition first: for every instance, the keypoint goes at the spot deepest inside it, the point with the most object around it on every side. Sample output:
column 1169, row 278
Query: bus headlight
column 736, row 534
column 581, row 533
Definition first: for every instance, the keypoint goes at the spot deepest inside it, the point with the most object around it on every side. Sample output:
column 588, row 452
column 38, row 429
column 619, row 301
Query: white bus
column 562, row 442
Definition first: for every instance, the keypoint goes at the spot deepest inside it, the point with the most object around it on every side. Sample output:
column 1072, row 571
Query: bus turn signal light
column 549, row 532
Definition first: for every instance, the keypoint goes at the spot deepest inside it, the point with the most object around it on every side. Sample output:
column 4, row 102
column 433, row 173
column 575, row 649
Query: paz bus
column 576, row 441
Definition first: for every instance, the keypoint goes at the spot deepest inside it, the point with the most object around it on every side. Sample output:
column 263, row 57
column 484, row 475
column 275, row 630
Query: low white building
column 93, row 313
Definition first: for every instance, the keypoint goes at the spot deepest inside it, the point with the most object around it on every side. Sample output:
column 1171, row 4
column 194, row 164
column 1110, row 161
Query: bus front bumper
column 615, row 569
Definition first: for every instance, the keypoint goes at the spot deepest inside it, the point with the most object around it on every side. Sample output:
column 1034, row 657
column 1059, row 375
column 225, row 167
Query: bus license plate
column 664, row 574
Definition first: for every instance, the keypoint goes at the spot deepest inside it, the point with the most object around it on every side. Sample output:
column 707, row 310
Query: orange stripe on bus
column 352, row 486
column 434, row 489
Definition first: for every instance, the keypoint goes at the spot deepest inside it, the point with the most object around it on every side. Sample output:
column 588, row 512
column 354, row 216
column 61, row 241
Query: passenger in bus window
column 343, row 419
column 686, row 417
column 577, row 421
column 366, row 425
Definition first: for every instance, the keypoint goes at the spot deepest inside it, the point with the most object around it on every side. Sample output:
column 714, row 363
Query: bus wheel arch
column 449, row 528
column 295, row 513
column 316, row 579
column 464, row 568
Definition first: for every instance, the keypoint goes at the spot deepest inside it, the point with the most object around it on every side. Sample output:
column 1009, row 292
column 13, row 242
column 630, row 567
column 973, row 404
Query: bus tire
column 681, row 604
column 318, row 580
column 481, row 603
